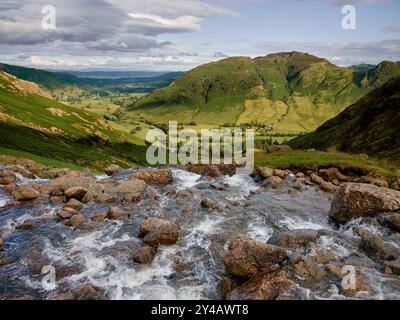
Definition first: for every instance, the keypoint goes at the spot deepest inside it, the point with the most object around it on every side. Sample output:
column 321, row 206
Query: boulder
column 74, row 204
column 209, row 204
column 265, row 172
column 325, row 186
column 294, row 239
column 264, row 286
column 393, row 267
column 25, row 193
column 355, row 200
column 75, row 221
column 379, row 182
column 132, row 190
column 307, row 268
column 274, row 182
column 77, row 193
column 246, row 257
column 116, row 213
column 226, row 286
column 146, row 255
column 280, row 173
column 67, row 213
column 375, row 247
column 155, row 176
column 212, row 170
column 333, row 174
column 393, row 221
column 112, row 169
column 7, row 177
column 156, row 231
column 77, row 179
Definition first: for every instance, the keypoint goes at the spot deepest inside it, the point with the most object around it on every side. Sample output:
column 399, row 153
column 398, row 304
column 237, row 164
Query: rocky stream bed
column 196, row 233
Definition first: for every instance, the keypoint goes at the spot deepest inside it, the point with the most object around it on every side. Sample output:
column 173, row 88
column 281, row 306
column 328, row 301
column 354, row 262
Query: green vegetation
column 369, row 126
column 307, row 160
column 288, row 92
column 31, row 124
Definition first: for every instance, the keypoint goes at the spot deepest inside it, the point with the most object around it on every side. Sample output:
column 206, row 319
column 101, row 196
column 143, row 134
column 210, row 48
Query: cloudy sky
column 172, row 35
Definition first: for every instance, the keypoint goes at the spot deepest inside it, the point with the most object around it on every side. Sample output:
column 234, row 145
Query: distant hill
column 52, row 80
column 31, row 123
column 291, row 92
column 370, row 126
column 363, row 67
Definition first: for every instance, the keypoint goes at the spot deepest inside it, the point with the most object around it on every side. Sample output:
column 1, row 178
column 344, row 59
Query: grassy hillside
column 290, row 92
column 369, row 126
column 33, row 124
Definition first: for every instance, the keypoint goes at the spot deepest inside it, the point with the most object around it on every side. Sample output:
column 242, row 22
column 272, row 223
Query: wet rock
column 74, row 204
column 112, row 169
column 101, row 215
column 10, row 188
column 227, row 285
column 375, row 247
column 280, row 173
column 264, row 286
column 146, row 255
column 325, row 256
column 1, row 245
column 246, row 257
column 87, row 292
column 393, row 221
column 132, row 190
column 298, row 185
column 75, row 221
column 155, row 176
column 361, row 285
column 307, row 268
column 6, row 260
column 333, row 174
column 212, row 171
column 116, row 213
column 293, row 192
column 156, row 231
column 27, row 225
column 80, row 180
column 294, row 239
column 7, row 177
column 355, row 200
column 265, row 172
column 274, row 182
column 395, row 186
column 325, row 186
column 68, row 271
column 25, row 193
column 209, row 204
column 66, row 296
column 77, row 193
column 56, row 199
column 379, row 182
column 300, row 175
column 67, row 213
column 393, row 267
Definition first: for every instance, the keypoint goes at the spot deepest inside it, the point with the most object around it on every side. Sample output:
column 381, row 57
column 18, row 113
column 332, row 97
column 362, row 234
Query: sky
column 177, row 35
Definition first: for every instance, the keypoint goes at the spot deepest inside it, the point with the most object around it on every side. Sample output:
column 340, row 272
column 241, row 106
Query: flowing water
column 103, row 250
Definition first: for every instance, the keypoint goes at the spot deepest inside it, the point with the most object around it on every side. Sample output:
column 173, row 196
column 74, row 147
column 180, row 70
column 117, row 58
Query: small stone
column 77, row 193
column 146, row 255
column 76, row 221
column 74, row 204
column 1, row 245
column 265, row 172
column 112, row 169
column 280, row 173
column 25, row 193
column 274, row 182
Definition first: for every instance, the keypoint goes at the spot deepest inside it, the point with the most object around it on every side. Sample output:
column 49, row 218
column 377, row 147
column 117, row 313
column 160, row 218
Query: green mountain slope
column 32, row 123
column 291, row 92
column 369, row 126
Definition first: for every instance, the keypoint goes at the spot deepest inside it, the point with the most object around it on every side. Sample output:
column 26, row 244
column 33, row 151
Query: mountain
column 363, row 67
column 51, row 80
column 291, row 92
column 32, row 123
column 370, row 126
